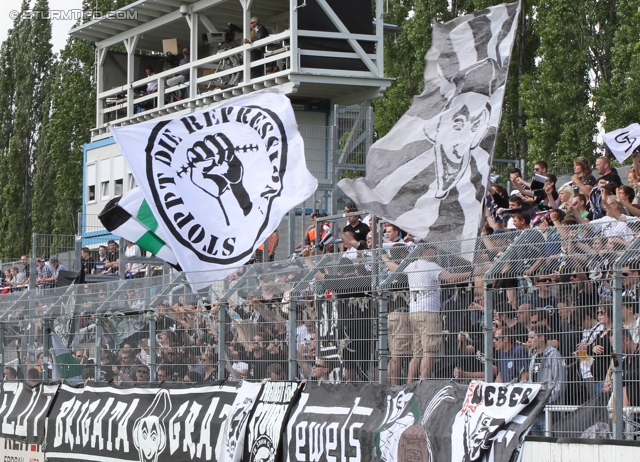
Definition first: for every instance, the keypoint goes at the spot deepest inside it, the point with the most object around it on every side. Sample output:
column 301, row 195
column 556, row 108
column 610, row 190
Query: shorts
column 426, row 328
column 399, row 333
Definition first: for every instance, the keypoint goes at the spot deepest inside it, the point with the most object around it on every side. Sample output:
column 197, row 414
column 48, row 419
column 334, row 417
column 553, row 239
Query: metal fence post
column 618, row 421
column 383, row 341
column 98, row 354
column 292, row 232
column 122, row 263
column 631, row 253
column 47, row 327
column 153, row 347
column 293, row 339
column 335, row 146
column 77, row 264
column 222, row 352
column 488, row 336
column 32, row 263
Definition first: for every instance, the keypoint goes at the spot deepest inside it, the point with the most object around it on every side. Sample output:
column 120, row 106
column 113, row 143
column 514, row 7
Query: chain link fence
column 557, row 306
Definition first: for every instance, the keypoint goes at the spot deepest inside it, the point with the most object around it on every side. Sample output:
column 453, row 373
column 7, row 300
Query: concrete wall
column 566, row 450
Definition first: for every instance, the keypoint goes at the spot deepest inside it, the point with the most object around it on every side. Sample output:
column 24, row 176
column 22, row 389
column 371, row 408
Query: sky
column 60, row 27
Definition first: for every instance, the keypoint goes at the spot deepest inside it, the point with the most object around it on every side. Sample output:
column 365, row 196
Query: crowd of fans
column 552, row 300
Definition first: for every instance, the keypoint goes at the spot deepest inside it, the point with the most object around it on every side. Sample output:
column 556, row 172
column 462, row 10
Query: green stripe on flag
column 68, row 365
column 150, row 242
column 145, row 216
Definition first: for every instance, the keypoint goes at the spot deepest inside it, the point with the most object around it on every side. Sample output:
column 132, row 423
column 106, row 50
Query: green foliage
column 619, row 96
column 69, row 129
column 561, row 120
column 29, row 59
column 46, row 112
column 73, row 114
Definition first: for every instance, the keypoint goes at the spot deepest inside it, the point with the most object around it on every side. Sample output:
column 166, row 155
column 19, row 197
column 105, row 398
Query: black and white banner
column 623, row 141
column 336, row 422
column 268, row 421
column 428, row 175
column 23, row 410
column 429, row 421
column 104, row 423
column 235, row 426
column 219, row 181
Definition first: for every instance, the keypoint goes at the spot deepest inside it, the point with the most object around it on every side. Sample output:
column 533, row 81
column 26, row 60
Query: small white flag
column 623, row 141
column 219, row 181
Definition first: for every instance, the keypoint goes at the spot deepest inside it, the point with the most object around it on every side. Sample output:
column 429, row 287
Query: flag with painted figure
column 429, row 174
column 130, row 217
column 430, row 421
column 623, row 141
column 147, row 424
column 219, row 181
column 65, row 365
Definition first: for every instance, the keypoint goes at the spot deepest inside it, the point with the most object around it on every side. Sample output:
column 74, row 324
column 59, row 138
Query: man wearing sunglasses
column 258, row 31
column 512, row 359
column 256, row 357
column 320, row 371
column 142, row 374
column 546, row 367
column 543, row 299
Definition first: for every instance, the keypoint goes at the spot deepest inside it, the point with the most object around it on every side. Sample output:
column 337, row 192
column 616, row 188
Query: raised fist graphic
column 215, row 168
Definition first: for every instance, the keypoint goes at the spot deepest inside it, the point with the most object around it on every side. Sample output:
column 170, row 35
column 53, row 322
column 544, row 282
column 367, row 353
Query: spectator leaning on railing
column 43, row 273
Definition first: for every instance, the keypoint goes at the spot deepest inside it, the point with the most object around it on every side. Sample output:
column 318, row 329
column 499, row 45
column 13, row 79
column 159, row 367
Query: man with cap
column 43, row 273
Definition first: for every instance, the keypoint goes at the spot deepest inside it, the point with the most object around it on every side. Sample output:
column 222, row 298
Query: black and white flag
column 235, row 427
column 268, row 420
column 623, row 141
column 130, row 217
column 430, row 421
column 219, row 181
column 429, row 174
column 23, row 410
column 151, row 424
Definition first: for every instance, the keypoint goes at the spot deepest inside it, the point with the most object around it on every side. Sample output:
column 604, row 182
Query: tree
column 43, row 199
column 561, row 120
column 27, row 79
column 69, row 127
column 618, row 96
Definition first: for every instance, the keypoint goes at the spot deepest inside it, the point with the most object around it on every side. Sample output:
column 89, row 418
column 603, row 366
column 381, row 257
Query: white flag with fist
column 219, row 181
